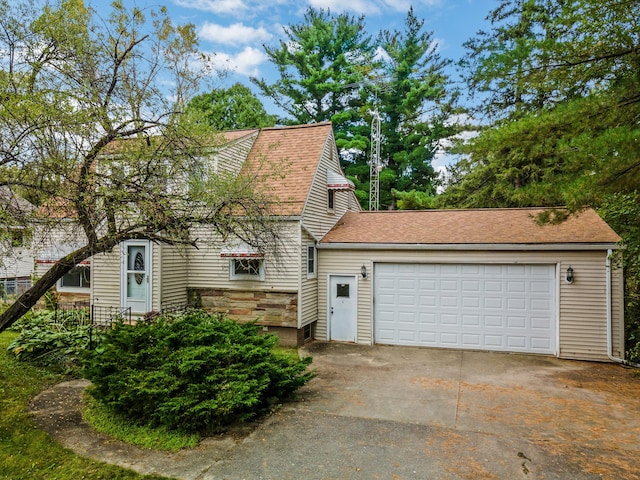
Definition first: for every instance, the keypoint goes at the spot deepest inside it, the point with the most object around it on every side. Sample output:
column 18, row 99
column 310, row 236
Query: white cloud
column 214, row 6
column 245, row 62
column 373, row 7
column 234, row 34
column 356, row 6
column 403, row 5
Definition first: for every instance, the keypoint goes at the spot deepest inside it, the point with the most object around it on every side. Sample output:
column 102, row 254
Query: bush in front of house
column 194, row 372
column 53, row 339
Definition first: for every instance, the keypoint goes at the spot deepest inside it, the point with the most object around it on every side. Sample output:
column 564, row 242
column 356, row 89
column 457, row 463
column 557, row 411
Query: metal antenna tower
column 374, row 162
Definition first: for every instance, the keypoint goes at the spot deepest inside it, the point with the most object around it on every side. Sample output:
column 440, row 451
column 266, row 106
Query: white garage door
column 507, row 308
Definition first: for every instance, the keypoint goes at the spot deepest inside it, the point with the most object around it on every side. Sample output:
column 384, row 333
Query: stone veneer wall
column 277, row 309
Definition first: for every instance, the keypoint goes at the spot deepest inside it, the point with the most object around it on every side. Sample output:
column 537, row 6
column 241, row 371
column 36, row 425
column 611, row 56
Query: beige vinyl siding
column 617, row 310
column 231, row 157
column 173, row 275
column 317, row 218
column 207, row 269
column 582, row 305
column 308, row 305
column 583, row 309
column 106, row 278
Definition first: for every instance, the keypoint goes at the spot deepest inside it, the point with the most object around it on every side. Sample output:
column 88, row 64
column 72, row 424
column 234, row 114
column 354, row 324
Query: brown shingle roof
column 478, row 226
column 286, row 159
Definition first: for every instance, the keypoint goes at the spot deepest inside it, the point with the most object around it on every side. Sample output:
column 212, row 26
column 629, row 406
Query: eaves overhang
column 471, row 246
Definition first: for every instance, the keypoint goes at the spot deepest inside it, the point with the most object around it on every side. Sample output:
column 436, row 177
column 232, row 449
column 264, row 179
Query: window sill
column 73, row 289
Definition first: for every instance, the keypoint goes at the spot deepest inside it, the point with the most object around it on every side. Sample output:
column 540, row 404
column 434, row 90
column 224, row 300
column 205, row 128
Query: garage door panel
column 494, row 341
column 516, row 322
column 518, row 342
column 494, row 303
column 448, row 319
column 472, row 340
column 541, row 287
column 471, row 286
column 492, row 286
column 516, row 304
column 471, row 320
column 448, row 301
column 428, row 300
column 540, row 305
column 494, row 307
column 471, row 302
column 449, row 339
column 493, row 321
column 451, row 270
column 428, row 319
column 542, row 323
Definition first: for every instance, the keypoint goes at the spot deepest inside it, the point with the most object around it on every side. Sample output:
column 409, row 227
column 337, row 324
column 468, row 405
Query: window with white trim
column 331, row 199
column 311, row 261
column 77, row 279
column 246, row 269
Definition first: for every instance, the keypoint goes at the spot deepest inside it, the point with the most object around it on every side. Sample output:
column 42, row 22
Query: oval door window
column 138, row 265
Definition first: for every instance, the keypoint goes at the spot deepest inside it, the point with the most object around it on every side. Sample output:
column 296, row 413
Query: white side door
column 343, row 312
column 136, row 275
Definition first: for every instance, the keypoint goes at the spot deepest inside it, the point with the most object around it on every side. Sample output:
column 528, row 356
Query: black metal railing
column 100, row 317
column 73, row 313
column 103, row 316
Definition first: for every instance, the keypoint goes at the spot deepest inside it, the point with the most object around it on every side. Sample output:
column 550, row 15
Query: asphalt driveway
column 378, row 412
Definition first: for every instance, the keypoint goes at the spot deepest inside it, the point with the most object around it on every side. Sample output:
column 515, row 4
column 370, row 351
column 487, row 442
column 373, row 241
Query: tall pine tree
column 414, row 105
column 317, row 65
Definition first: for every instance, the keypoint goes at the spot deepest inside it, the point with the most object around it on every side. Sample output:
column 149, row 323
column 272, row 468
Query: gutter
column 609, row 316
column 467, row 246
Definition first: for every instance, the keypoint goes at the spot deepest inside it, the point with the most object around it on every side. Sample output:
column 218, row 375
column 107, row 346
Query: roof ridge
column 451, row 210
column 292, row 127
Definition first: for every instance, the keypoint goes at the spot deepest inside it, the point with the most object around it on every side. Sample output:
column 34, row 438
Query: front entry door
column 136, row 272
column 342, row 308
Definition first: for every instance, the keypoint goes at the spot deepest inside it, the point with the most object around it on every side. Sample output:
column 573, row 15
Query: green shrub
column 52, row 339
column 194, row 373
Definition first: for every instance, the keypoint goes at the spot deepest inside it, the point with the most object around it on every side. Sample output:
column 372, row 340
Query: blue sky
column 236, row 30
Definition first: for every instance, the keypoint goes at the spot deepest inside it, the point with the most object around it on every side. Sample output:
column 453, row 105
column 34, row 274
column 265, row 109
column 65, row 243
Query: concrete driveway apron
column 381, row 412
column 377, row 412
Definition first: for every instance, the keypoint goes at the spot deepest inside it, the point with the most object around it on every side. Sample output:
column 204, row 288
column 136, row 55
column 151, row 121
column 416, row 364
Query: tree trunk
column 29, row 298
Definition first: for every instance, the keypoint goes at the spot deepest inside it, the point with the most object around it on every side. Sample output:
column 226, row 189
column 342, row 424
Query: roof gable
column 286, row 159
column 478, row 226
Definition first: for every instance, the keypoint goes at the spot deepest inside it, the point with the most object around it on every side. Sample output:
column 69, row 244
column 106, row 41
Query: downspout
column 609, row 315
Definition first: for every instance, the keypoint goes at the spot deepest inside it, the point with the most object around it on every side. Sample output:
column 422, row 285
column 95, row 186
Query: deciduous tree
column 233, row 108
column 85, row 127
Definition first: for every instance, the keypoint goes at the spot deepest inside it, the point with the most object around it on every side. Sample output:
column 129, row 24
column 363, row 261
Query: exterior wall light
column 363, row 272
column 569, row 276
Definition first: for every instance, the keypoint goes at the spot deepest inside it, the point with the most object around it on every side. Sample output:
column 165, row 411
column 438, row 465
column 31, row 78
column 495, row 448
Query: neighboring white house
column 16, row 257
column 33, row 246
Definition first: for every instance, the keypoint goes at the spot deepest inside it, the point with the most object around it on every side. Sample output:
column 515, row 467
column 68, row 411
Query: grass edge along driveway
column 27, row 452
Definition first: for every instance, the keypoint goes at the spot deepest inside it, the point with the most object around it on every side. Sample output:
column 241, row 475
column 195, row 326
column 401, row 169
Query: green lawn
column 25, row 451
